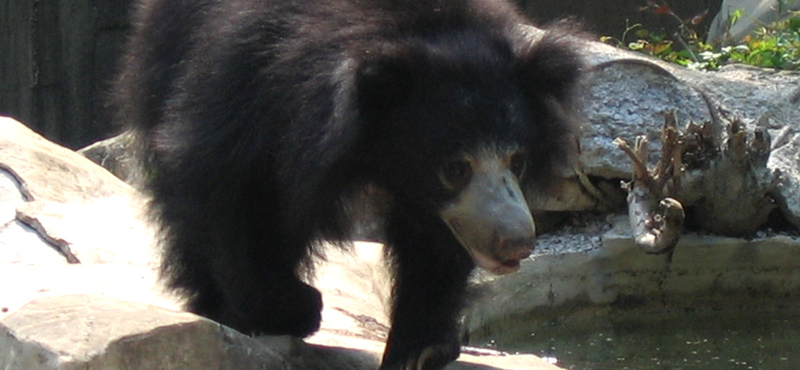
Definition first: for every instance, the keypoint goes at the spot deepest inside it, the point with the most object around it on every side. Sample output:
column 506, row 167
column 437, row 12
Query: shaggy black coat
column 260, row 119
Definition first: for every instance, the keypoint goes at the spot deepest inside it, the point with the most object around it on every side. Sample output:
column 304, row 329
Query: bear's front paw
column 433, row 357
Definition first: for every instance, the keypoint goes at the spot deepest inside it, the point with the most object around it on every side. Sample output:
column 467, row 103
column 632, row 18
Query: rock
column 785, row 159
column 627, row 95
column 116, row 155
column 50, row 172
column 80, row 264
column 703, row 272
column 94, row 332
column 66, row 199
column 58, row 211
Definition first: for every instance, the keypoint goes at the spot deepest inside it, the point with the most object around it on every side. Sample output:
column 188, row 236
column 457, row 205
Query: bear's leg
column 431, row 278
column 242, row 272
column 279, row 304
column 260, row 285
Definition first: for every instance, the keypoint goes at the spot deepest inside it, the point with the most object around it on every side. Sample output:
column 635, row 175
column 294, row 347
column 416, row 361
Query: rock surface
column 627, row 95
column 115, row 155
column 611, row 273
column 79, row 262
column 70, row 203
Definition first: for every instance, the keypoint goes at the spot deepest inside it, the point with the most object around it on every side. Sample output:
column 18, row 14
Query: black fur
column 259, row 119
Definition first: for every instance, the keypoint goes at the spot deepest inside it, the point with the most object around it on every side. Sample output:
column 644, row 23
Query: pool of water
column 707, row 340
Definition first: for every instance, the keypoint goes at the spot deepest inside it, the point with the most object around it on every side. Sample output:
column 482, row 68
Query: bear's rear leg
column 279, row 305
column 251, row 295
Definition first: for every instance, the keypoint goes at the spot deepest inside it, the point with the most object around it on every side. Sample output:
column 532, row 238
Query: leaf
column 611, row 41
column 743, row 49
column 794, row 24
column 657, row 36
column 699, row 18
column 637, row 45
column 663, row 9
column 662, row 48
column 735, row 16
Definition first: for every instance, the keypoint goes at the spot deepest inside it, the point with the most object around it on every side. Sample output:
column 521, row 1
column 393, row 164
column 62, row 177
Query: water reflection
column 707, row 340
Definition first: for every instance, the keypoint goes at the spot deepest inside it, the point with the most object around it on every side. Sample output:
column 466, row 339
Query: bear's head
column 462, row 123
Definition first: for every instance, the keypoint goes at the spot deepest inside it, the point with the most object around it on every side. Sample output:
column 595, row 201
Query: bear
column 259, row 123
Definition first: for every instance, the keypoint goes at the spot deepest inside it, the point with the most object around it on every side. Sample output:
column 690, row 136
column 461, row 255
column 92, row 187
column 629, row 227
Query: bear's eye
column 456, row 174
column 517, row 163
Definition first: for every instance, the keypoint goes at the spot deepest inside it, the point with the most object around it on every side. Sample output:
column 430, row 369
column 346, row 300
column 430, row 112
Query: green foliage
column 772, row 46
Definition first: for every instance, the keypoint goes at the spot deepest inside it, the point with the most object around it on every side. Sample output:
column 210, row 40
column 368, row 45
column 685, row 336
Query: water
column 708, row 340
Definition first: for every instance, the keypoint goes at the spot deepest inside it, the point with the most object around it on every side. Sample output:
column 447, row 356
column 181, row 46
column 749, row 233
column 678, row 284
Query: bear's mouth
column 496, row 265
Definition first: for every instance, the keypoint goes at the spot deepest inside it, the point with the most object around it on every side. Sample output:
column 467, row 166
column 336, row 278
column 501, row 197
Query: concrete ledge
column 703, row 272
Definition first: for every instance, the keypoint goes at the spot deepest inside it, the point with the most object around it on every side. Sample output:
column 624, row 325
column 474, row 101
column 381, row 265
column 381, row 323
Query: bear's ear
column 550, row 67
column 382, row 83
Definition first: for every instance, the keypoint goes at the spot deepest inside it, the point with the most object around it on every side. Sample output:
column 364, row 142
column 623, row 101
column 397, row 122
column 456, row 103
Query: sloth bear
column 260, row 121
